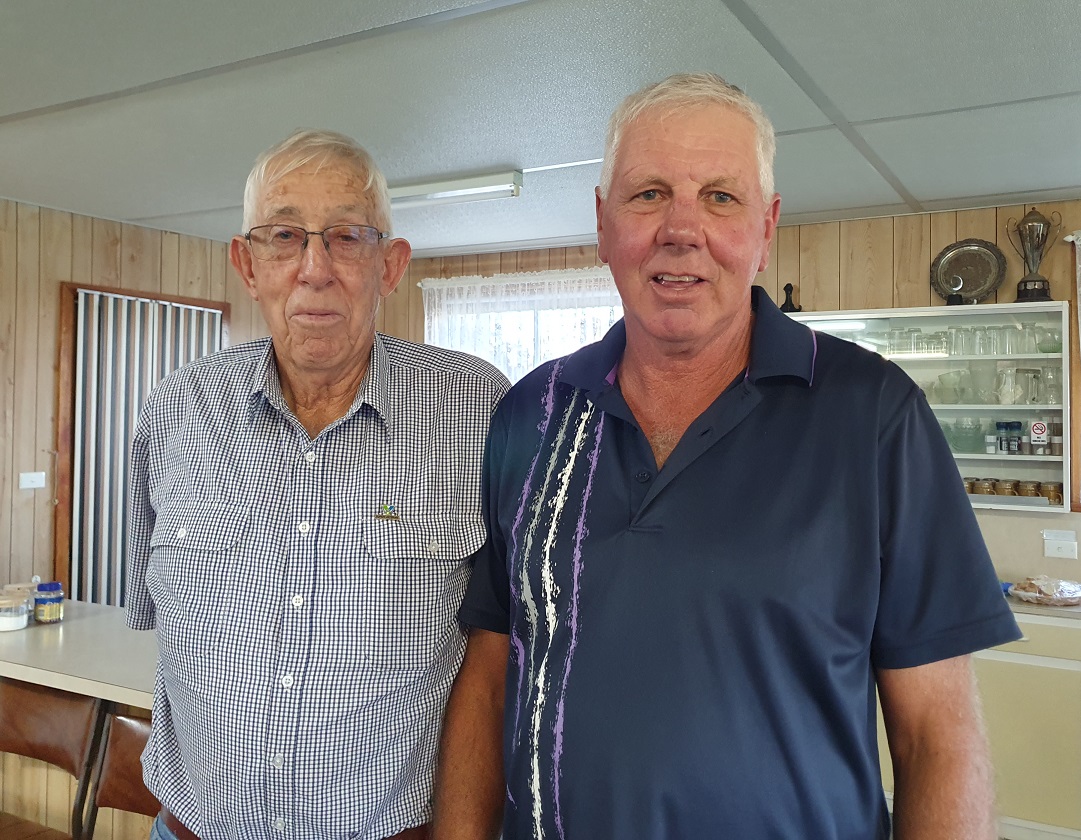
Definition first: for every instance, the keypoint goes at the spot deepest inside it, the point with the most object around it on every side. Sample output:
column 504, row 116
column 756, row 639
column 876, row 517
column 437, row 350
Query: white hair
column 685, row 90
column 306, row 146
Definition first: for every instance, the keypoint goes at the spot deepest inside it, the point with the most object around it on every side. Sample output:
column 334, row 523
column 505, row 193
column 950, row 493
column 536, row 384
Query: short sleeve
column 940, row 596
column 487, row 599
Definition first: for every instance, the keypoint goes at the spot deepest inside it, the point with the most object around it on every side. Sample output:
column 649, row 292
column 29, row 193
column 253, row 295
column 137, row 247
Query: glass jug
column 1051, row 386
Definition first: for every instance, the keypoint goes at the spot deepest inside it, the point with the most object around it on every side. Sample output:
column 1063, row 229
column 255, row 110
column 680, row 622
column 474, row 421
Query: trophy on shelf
column 1032, row 238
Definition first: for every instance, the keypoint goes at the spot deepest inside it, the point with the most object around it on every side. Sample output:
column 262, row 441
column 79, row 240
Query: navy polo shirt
column 693, row 649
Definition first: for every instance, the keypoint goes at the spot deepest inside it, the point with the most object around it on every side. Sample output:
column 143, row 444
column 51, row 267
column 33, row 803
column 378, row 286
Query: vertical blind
column 124, row 346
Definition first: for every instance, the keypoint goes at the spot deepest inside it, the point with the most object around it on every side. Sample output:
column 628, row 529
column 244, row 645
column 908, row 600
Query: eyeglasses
column 344, row 243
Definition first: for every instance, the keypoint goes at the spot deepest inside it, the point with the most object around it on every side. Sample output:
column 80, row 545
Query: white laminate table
column 91, row 652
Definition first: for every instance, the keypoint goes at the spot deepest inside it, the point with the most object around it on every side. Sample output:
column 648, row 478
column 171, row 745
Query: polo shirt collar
column 780, row 347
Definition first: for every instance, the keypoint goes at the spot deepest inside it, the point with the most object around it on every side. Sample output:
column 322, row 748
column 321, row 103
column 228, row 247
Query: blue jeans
column 159, row 831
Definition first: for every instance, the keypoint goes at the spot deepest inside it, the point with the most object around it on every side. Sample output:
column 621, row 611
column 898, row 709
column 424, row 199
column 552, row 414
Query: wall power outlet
column 1060, row 548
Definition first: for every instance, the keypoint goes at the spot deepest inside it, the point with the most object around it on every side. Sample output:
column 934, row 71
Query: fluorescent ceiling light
column 479, row 188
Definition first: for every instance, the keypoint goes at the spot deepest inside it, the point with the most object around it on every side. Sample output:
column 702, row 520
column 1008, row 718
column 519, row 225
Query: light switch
column 31, row 480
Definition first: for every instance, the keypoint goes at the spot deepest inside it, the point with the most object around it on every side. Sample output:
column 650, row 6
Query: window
column 518, row 321
column 114, row 348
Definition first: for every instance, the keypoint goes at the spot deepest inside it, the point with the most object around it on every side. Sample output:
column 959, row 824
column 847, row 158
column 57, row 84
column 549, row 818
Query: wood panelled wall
column 873, row 263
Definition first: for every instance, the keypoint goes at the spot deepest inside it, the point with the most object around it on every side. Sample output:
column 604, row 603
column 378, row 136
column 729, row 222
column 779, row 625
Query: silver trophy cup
column 1032, row 238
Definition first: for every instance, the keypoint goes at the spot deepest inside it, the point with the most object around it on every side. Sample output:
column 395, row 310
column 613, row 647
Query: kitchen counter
column 91, row 652
column 1020, row 607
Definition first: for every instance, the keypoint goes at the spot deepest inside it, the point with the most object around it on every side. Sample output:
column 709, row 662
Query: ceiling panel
column 878, row 59
column 1018, row 148
column 839, row 178
column 120, row 44
column 154, row 112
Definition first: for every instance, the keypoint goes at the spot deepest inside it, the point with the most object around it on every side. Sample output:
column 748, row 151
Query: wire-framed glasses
column 344, row 243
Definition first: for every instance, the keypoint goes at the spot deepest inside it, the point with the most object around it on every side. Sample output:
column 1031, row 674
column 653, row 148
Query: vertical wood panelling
column 55, row 257
column 819, row 267
column 866, row 270
column 768, row 279
column 170, row 264
column 912, row 260
column 140, row 259
column 194, row 278
column 533, row 261
column 487, row 264
column 25, row 393
column 105, row 259
column 8, row 289
column 943, row 233
column 787, row 240
column 983, row 224
column 1007, row 217
column 580, row 256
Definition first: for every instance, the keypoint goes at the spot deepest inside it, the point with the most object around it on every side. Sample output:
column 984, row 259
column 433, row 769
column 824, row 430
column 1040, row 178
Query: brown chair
column 56, row 727
column 117, row 781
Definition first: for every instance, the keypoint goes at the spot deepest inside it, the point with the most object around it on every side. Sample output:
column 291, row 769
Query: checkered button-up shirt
column 304, row 592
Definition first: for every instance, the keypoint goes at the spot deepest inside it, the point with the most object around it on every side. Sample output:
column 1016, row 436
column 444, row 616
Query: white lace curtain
column 517, row 321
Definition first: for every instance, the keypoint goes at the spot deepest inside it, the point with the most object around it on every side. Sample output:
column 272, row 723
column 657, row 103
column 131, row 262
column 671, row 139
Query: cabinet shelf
column 993, row 408
column 907, row 358
column 1007, row 459
column 931, row 367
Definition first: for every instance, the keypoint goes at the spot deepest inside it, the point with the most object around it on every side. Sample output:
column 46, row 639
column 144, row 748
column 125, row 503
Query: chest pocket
column 194, row 550
column 413, row 579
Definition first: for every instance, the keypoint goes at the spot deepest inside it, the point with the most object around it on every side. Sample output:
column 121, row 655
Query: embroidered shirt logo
column 388, row 512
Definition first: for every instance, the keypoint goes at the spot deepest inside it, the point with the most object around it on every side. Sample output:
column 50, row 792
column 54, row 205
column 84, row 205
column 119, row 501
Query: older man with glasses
column 302, row 516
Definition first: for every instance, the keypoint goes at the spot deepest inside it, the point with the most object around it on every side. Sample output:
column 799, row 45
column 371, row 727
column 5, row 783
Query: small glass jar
column 1016, row 433
column 49, row 603
column 14, row 612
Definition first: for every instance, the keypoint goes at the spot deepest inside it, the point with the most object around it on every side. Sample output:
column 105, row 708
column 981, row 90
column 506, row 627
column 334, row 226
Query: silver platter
column 971, row 268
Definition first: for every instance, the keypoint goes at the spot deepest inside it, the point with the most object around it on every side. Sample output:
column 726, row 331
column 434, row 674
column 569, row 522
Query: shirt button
column 309, row 456
column 642, row 476
column 287, row 680
column 279, row 824
column 278, row 761
column 304, row 526
column 181, row 533
column 432, row 547
column 298, row 601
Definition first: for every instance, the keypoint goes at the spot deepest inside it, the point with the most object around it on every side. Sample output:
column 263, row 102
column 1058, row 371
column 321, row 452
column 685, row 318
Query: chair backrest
column 118, row 775
column 53, row 726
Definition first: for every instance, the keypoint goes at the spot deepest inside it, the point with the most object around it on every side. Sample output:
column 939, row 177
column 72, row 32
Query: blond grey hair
column 688, row 90
column 322, row 148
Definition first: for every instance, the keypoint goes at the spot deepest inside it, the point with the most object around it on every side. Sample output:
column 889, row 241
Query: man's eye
column 283, row 234
column 721, row 197
column 648, row 195
column 346, row 236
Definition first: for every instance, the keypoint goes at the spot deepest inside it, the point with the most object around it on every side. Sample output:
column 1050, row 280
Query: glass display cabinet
column 997, row 378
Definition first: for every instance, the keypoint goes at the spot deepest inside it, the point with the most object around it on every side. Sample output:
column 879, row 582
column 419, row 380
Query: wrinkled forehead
column 333, row 184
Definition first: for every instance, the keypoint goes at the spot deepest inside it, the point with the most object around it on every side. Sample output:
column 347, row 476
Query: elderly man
column 712, row 535
column 303, row 510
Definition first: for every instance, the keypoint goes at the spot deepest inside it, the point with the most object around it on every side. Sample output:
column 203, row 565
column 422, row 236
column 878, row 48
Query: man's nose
column 682, row 223
column 315, row 261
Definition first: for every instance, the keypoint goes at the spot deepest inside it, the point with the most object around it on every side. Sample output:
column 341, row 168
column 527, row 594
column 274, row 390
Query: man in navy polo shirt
column 712, row 536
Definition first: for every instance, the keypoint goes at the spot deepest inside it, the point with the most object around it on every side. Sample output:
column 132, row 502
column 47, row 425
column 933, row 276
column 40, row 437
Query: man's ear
column 602, row 248
column 395, row 260
column 241, row 258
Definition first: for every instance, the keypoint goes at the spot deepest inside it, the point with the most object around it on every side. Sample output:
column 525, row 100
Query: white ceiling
column 151, row 112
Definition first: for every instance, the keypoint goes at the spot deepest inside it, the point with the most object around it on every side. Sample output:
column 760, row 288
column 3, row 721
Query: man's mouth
column 676, row 281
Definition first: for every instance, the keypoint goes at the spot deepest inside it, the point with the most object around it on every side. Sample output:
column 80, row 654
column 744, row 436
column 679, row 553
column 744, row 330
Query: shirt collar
column 779, row 347
column 374, row 389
